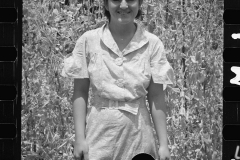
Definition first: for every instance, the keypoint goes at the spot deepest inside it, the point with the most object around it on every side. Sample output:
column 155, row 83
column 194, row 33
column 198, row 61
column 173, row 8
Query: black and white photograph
column 124, row 80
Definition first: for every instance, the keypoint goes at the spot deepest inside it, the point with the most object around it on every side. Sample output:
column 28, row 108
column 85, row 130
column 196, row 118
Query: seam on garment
column 96, row 59
column 100, row 72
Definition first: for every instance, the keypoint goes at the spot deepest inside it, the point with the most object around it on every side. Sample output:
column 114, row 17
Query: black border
column 11, row 142
column 19, row 76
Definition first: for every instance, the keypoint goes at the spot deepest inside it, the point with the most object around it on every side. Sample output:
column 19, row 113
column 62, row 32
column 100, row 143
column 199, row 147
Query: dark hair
column 107, row 14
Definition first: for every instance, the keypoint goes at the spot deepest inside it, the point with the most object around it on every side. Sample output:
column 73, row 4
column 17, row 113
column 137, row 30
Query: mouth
column 123, row 13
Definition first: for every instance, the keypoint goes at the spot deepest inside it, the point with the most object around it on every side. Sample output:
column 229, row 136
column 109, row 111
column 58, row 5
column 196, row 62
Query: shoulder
column 155, row 43
column 153, row 39
column 90, row 34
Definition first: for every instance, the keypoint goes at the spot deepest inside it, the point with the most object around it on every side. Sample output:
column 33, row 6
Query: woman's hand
column 81, row 149
column 164, row 153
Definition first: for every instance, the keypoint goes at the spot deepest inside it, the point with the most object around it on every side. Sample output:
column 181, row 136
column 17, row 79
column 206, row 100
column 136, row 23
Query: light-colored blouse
column 120, row 77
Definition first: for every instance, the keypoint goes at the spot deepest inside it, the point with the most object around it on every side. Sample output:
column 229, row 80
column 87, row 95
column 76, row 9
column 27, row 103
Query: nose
column 124, row 4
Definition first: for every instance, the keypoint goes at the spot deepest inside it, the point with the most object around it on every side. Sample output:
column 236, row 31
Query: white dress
column 118, row 122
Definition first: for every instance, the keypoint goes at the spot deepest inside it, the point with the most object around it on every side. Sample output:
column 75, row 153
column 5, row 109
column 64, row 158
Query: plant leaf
column 193, row 59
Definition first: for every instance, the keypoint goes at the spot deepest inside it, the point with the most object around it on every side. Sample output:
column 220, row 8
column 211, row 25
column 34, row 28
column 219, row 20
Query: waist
column 129, row 106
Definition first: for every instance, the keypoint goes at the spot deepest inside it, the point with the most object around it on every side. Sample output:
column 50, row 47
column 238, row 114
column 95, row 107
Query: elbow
column 157, row 103
column 80, row 94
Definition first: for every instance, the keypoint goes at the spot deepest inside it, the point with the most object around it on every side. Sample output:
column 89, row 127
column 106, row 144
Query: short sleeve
column 75, row 64
column 161, row 70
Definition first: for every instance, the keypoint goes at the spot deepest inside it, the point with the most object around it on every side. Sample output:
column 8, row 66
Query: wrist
column 163, row 144
column 79, row 138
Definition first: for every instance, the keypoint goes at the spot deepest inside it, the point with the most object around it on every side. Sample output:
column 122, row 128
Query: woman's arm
column 80, row 100
column 156, row 100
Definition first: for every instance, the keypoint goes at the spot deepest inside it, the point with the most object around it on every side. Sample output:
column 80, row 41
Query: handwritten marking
column 236, row 35
column 236, row 153
column 235, row 80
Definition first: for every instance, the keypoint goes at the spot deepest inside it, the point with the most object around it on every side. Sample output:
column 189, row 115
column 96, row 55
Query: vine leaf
column 177, row 90
column 193, row 59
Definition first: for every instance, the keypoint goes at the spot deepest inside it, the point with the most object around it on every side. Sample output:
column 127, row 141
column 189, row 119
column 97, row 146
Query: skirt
column 114, row 134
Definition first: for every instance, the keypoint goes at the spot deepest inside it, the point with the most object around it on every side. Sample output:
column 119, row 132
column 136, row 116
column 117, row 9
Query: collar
column 139, row 39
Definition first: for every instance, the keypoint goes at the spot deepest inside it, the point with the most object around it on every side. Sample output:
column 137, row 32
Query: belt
column 129, row 106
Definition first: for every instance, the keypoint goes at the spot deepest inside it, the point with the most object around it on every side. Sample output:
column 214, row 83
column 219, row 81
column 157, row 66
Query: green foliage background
column 192, row 32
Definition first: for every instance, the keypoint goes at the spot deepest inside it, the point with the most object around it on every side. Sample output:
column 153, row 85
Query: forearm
column 79, row 114
column 158, row 110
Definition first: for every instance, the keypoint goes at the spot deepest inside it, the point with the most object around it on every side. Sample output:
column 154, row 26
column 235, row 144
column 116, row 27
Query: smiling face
column 123, row 11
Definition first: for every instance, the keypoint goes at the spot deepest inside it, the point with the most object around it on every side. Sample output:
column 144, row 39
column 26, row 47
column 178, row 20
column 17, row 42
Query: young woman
column 124, row 64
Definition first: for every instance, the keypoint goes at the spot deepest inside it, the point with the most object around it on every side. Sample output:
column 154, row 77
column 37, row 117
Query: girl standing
column 124, row 64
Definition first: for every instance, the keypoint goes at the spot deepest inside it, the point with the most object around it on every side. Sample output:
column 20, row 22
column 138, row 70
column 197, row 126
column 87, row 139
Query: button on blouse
column 119, row 61
column 120, row 83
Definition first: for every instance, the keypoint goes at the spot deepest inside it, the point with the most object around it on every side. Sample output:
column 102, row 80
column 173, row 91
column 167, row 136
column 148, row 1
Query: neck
column 122, row 30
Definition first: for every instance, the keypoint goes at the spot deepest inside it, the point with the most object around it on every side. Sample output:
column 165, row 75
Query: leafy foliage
column 192, row 34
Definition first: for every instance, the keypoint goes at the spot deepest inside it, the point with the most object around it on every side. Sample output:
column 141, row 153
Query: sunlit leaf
column 177, row 90
column 55, row 11
column 193, row 59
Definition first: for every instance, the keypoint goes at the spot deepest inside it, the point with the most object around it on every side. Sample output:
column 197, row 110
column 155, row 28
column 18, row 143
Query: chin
column 124, row 22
